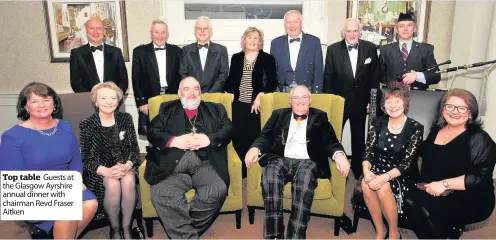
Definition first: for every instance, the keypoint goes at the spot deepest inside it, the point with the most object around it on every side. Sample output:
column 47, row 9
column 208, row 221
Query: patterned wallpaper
column 24, row 54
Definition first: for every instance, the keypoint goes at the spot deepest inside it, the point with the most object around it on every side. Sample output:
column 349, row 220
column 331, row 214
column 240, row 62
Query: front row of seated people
column 189, row 140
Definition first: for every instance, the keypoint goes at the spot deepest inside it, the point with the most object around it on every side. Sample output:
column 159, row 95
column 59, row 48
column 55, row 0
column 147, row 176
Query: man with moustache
column 96, row 62
column 205, row 60
column 298, row 56
column 294, row 145
column 155, row 70
column 351, row 71
column 406, row 57
column 189, row 139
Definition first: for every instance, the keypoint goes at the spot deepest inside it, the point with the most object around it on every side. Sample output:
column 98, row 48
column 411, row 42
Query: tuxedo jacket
column 145, row 75
column 420, row 57
column 309, row 69
column 170, row 122
column 321, row 139
column 214, row 75
column 263, row 77
column 83, row 70
column 338, row 73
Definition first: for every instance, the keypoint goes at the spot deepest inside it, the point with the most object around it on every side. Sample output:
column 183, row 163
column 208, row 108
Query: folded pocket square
column 368, row 60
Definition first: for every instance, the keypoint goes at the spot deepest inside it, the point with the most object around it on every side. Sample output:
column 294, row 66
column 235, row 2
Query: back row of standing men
column 352, row 66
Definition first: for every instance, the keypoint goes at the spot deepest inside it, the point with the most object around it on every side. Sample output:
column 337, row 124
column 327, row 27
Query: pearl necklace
column 400, row 127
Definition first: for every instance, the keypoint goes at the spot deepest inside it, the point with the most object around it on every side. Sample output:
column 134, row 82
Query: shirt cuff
column 169, row 142
column 421, row 77
column 336, row 152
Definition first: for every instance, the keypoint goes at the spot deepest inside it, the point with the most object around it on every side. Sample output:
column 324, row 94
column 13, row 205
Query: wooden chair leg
column 251, row 214
column 149, row 227
column 238, row 219
column 337, row 226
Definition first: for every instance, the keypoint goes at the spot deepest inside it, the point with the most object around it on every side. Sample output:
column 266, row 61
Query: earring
column 53, row 108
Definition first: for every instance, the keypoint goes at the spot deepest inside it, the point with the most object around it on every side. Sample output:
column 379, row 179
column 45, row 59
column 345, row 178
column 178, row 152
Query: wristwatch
column 446, row 185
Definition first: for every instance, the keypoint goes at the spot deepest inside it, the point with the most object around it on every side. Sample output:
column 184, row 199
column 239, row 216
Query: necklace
column 448, row 132
column 193, row 124
column 44, row 133
column 398, row 128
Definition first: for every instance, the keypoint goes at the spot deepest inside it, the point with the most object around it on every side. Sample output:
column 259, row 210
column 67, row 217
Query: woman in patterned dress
column 390, row 156
column 111, row 157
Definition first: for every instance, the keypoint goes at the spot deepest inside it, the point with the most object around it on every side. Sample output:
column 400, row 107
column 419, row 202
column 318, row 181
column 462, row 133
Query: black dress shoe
column 115, row 234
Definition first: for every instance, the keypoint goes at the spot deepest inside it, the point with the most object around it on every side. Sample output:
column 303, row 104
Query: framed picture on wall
column 65, row 21
column 378, row 18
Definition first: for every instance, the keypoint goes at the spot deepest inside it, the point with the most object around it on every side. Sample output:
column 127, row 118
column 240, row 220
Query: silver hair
column 159, row 21
column 299, row 86
column 204, row 18
column 293, row 12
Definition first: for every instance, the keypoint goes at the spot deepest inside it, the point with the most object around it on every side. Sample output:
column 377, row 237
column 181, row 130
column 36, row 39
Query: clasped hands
column 375, row 182
column 117, row 171
column 190, row 141
column 435, row 189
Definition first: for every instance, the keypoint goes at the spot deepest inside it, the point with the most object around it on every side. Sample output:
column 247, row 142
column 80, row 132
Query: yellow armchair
column 234, row 199
column 329, row 195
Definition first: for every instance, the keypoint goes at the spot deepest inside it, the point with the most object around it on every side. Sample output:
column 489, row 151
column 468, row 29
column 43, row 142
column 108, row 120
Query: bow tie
column 350, row 47
column 158, row 48
column 294, row 39
column 200, row 46
column 99, row 47
column 299, row 117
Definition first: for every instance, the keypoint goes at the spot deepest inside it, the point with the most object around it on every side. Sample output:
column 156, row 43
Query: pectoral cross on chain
column 194, row 129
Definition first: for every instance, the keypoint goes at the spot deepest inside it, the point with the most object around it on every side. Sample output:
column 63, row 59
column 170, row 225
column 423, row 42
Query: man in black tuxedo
column 295, row 145
column 405, row 58
column 351, row 71
column 205, row 60
column 189, row 140
column 96, row 62
column 155, row 70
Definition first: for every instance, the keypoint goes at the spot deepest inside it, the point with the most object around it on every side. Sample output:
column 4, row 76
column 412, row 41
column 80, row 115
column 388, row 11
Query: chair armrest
column 338, row 183
column 235, row 174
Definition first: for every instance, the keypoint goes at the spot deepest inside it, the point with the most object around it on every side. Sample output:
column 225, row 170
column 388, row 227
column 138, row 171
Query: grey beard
column 190, row 104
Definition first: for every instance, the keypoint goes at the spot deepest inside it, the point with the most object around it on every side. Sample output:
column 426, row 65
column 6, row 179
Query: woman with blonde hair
column 252, row 73
column 111, row 157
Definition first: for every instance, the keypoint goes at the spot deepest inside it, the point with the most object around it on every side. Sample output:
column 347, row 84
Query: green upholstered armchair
column 329, row 196
column 234, row 199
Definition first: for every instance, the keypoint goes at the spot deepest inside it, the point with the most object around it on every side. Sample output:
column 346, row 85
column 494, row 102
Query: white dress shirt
column 294, row 49
column 296, row 144
column 98, row 59
column 353, row 57
column 203, row 55
column 161, row 62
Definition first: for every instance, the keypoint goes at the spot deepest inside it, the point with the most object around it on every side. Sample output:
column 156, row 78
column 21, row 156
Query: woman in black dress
column 111, row 157
column 458, row 160
column 390, row 155
column 252, row 73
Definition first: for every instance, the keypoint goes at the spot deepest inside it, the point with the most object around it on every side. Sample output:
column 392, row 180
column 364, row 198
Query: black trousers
column 246, row 128
column 357, row 119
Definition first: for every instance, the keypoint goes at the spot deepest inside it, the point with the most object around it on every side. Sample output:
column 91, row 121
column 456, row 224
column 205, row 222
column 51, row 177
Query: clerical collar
column 191, row 113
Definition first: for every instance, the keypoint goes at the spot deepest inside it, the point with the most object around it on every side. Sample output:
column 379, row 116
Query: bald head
column 95, row 31
column 351, row 30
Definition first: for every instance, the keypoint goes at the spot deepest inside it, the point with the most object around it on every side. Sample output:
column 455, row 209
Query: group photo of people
column 275, row 133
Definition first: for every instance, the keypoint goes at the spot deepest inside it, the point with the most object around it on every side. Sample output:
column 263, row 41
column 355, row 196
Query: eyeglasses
column 304, row 97
column 459, row 109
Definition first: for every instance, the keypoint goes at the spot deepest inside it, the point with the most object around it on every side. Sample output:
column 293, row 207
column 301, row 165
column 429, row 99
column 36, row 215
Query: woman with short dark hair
column 458, row 158
column 42, row 141
column 388, row 165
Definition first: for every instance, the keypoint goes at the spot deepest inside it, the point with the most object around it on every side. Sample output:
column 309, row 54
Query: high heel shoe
column 115, row 234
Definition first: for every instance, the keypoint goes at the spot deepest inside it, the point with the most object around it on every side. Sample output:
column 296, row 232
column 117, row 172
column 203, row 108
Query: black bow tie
column 294, row 39
column 200, row 46
column 158, row 48
column 93, row 48
column 350, row 47
column 299, row 117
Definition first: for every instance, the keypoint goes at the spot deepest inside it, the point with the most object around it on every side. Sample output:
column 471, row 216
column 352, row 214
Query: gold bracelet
column 389, row 175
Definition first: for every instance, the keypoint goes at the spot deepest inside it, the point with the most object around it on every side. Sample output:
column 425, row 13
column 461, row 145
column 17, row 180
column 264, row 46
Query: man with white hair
column 205, row 60
column 298, row 56
column 155, row 70
column 352, row 69
column 294, row 146
column 189, row 139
